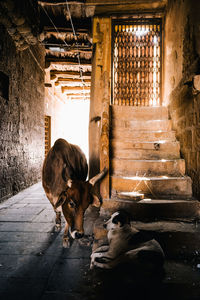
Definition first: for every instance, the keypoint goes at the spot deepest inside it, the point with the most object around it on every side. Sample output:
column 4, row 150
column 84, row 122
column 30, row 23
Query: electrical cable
column 75, row 37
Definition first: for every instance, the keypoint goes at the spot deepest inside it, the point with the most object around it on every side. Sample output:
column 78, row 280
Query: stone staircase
column 145, row 155
column 147, row 178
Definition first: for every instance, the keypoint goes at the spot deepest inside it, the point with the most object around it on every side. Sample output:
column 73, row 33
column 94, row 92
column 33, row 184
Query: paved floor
column 33, row 264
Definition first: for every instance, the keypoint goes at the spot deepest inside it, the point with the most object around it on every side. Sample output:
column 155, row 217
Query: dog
column 126, row 244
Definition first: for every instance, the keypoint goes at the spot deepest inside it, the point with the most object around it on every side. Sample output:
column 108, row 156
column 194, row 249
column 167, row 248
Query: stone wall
column 182, row 63
column 21, row 116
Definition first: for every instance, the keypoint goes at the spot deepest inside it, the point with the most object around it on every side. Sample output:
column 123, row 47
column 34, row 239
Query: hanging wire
column 75, row 37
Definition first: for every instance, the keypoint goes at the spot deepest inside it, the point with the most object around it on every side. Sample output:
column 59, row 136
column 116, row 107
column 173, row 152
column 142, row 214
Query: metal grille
column 47, row 124
column 136, row 68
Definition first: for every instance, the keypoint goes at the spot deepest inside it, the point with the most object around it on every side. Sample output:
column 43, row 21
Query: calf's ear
column 61, row 200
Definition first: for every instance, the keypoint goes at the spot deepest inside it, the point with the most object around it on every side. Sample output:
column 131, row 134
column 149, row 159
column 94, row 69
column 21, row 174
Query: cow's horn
column 99, row 176
column 69, row 183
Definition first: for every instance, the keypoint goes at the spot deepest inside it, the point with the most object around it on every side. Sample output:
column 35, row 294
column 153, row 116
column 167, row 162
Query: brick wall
column 182, row 62
column 21, row 116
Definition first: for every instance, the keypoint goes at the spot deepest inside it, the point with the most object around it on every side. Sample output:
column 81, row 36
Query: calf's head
column 75, row 200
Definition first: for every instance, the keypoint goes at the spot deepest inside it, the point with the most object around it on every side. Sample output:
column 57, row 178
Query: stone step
column 174, row 167
column 139, row 113
column 151, row 209
column 145, row 150
column 165, row 125
column 178, row 239
column 156, row 187
column 143, row 135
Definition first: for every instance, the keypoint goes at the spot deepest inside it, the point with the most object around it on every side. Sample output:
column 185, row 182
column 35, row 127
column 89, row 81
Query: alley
column 33, row 264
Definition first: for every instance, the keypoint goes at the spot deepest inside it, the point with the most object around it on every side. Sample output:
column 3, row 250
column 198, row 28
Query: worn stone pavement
column 33, row 264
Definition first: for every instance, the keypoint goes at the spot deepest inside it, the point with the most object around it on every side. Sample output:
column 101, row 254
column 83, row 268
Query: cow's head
column 75, row 200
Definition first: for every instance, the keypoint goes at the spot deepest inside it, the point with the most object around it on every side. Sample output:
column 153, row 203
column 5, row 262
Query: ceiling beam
column 69, row 61
column 66, row 64
column 61, row 21
column 71, row 82
column 69, row 75
column 78, row 95
column 75, row 89
column 58, row 3
column 52, row 30
column 68, row 39
column 69, row 50
column 78, row 98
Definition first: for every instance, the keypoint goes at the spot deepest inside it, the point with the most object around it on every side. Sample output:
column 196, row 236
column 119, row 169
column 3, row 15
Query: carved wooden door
column 136, row 62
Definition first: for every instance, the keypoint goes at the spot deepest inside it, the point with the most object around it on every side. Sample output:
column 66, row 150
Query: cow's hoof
column 57, row 227
column 84, row 242
column 66, row 243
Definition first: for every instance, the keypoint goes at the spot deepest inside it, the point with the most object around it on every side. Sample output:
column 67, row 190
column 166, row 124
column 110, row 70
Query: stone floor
column 33, row 264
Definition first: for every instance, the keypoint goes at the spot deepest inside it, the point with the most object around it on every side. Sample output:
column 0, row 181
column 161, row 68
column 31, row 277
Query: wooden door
column 136, row 62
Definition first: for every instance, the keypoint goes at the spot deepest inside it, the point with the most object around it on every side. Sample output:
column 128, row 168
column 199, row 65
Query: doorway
column 136, row 62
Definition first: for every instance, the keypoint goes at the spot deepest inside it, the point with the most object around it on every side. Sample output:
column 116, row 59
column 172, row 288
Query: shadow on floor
column 34, row 265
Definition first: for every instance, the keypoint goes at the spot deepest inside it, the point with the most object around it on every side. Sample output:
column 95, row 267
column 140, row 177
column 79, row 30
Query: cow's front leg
column 58, row 220
column 66, row 240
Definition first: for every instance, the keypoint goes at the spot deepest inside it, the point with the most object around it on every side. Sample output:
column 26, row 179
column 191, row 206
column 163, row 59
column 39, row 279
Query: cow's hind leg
column 66, row 239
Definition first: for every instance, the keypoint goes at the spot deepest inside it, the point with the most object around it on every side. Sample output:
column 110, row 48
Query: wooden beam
column 69, row 50
column 125, row 2
column 60, row 21
column 68, row 80
column 51, row 30
column 67, row 39
column 75, row 89
column 69, row 74
column 71, row 82
column 69, row 61
column 59, row 3
column 48, row 85
column 78, row 98
column 78, row 95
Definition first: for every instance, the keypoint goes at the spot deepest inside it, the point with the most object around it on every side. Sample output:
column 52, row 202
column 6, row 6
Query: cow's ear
column 95, row 201
column 61, row 200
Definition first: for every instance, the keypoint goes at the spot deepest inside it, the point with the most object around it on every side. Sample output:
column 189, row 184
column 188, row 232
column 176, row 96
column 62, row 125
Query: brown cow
column 63, row 178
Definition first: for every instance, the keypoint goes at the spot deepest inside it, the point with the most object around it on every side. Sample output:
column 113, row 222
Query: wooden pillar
column 102, row 39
